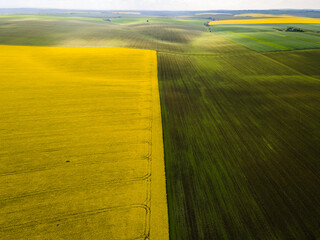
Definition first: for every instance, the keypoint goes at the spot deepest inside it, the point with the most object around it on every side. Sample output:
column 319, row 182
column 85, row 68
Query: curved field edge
column 83, row 125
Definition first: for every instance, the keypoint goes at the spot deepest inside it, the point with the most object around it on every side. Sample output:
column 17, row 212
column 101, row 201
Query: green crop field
column 240, row 117
column 158, row 35
column 268, row 37
column 242, row 146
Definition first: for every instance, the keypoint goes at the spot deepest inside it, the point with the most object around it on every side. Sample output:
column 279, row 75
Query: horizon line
column 85, row 9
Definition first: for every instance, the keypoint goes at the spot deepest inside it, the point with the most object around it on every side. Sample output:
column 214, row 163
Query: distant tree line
column 293, row 29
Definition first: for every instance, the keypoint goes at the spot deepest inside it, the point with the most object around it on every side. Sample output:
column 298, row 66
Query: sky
column 161, row 4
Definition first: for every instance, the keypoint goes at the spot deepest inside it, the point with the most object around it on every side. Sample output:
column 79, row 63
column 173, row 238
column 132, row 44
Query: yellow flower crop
column 260, row 15
column 81, row 139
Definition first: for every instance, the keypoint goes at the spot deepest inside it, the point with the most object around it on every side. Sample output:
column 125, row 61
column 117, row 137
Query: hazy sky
column 161, row 4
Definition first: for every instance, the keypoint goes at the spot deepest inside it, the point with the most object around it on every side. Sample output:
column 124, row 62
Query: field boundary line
column 159, row 227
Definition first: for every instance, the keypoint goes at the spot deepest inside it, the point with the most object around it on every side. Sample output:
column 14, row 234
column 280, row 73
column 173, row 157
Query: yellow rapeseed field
column 268, row 20
column 81, row 144
column 260, row 15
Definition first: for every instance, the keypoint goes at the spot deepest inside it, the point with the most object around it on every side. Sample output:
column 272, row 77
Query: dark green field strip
column 274, row 41
column 242, row 141
column 242, row 28
column 258, row 28
column 290, row 41
column 305, row 61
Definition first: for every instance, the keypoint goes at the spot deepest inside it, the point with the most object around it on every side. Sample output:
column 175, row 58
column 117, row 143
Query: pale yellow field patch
column 81, row 152
column 267, row 21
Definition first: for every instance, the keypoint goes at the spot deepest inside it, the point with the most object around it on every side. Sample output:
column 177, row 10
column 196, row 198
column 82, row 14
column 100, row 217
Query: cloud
column 161, row 4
